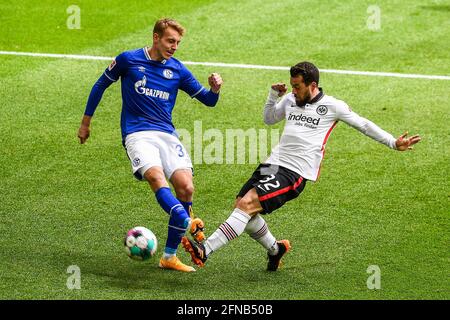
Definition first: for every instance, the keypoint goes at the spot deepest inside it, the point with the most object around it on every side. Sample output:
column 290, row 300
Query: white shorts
column 147, row 149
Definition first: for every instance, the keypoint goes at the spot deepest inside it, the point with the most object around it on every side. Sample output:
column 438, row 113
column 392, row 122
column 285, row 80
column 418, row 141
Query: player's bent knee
column 189, row 189
column 156, row 181
column 249, row 203
column 236, row 201
column 185, row 191
column 246, row 203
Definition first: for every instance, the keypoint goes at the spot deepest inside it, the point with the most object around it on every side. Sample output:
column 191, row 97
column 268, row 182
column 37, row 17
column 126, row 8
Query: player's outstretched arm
column 403, row 143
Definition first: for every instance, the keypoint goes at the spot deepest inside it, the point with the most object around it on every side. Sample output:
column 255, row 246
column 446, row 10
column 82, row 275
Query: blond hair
column 162, row 24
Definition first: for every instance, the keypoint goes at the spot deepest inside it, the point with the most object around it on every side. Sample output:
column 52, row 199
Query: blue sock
column 178, row 222
column 187, row 206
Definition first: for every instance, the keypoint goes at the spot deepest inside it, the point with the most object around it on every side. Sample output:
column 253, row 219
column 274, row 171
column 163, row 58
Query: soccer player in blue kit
column 150, row 80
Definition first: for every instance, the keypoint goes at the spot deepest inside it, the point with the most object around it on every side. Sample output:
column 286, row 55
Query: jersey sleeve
column 117, row 68
column 363, row 125
column 195, row 89
column 275, row 112
column 189, row 84
column 96, row 94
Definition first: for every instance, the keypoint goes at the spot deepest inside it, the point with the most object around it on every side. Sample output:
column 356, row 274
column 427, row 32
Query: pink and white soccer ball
column 140, row 243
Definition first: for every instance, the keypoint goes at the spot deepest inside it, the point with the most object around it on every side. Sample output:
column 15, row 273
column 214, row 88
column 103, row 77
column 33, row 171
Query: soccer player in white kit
column 310, row 117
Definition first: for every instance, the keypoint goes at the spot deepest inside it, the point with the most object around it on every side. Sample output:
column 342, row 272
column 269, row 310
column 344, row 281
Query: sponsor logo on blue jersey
column 140, row 88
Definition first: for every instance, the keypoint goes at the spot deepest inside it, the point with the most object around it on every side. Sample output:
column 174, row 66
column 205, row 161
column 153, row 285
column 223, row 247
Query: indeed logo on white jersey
column 140, row 88
column 302, row 118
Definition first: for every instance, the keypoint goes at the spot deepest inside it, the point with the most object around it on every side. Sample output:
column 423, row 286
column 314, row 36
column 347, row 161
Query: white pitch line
column 54, row 55
column 234, row 65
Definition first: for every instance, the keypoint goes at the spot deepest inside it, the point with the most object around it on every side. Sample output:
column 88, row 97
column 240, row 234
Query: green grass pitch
column 63, row 204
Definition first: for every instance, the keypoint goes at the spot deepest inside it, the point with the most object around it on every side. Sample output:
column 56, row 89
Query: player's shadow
column 123, row 273
column 224, row 275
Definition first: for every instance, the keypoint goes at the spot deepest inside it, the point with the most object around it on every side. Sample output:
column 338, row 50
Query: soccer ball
column 140, row 243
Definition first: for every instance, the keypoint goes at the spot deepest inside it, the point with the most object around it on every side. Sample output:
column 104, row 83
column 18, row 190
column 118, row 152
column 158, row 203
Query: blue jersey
column 149, row 90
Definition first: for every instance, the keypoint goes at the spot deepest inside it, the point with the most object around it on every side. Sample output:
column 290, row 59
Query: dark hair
column 162, row 24
column 307, row 70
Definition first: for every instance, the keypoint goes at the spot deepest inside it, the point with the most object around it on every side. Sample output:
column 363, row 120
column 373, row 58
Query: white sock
column 257, row 229
column 230, row 229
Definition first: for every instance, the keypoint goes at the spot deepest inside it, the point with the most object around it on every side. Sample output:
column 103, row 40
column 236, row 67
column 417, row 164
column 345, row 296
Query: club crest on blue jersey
column 168, row 73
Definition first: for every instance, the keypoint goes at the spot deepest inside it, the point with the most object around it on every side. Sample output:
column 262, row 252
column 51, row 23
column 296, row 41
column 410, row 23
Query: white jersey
column 302, row 144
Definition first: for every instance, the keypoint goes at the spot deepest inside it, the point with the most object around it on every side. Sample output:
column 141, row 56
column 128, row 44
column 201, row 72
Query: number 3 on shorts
column 179, row 148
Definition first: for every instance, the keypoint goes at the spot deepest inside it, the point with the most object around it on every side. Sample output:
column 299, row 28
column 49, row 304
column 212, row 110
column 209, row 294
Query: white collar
column 147, row 55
